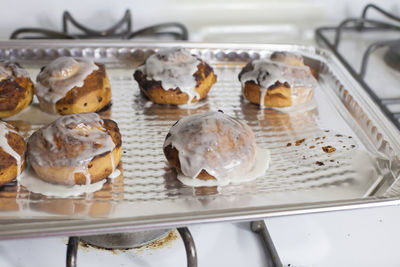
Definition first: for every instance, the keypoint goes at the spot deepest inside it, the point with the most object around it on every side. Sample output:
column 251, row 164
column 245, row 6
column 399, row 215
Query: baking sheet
column 302, row 176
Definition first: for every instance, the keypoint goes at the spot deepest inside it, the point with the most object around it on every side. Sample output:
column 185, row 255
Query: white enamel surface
column 204, row 143
column 85, row 130
column 174, row 67
column 4, row 131
column 60, row 76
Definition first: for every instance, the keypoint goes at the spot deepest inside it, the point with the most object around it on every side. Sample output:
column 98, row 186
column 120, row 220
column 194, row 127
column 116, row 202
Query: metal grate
column 364, row 25
column 121, row 30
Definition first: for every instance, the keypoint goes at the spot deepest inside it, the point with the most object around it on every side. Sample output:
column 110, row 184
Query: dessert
column 73, row 85
column 77, row 149
column 213, row 147
column 174, row 76
column 12, row 153
column 16, row 89
column 282, row 81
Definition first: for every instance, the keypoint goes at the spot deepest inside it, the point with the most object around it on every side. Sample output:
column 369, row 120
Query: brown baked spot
column 328, row 149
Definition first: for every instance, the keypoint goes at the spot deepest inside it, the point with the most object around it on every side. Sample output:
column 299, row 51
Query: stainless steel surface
column 260, row 228
column 191, row 253
column 148, row 196
column 125, row 240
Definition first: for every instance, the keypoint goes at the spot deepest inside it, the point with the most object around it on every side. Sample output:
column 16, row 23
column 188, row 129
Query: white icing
column 5, row 130
column 261, row 165
column 217, row 143
column 85, row 130
column 115, row 174
column 174, row 67
column 266, row 73
column 60, row 76
column 31, row 181
column 8, row 69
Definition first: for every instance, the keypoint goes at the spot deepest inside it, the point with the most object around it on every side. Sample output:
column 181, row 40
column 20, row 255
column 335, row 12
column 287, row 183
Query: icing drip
column 266, row 73
column 72, row 141
column 174, row 67
column 5, row 130
column 60, row 76
column 261, row 165
column 217, row 143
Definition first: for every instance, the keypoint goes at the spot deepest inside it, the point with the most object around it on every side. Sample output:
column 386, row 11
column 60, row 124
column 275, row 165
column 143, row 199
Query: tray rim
column 62, row 226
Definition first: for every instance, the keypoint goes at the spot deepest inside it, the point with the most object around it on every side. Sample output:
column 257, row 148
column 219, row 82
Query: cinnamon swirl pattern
column 75, row 149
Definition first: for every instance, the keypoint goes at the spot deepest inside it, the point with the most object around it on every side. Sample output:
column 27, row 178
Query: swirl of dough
column 75, row 149
column 211, row 145
column 59, row 77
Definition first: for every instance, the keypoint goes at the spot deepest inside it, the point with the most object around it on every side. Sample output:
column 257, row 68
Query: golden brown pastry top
column 214, row 142
column 173, row 68
column 61, row 75
column 14, row 82
column 73, row 141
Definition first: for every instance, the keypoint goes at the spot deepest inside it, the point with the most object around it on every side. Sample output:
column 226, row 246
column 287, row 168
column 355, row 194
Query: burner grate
column 121, row 30
column 360, row 25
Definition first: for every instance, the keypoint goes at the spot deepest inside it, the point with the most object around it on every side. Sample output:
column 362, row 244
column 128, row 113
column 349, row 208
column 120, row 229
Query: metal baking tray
column 362, row 172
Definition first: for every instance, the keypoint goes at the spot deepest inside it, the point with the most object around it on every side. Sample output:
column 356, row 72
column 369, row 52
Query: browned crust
column 172, row 156
column 277, row 96
column 100, row 167
column 92, row 96
column 16, row 94
column 8, row 164
column 204, row 76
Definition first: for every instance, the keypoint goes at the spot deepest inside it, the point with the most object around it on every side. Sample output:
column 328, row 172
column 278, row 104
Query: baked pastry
column 73, row 85
column 12, row 153
column 75, row 149
column 16, row 89
column 210, row 146
column 282, row 81
column 174, row 76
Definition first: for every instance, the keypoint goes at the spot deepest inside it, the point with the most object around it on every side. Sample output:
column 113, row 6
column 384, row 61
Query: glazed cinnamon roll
column 211, row 146
column 174, row 76
column 16, row 89
column 282, row 81
column 75, row 149
column 73, row 85
column 12, row 153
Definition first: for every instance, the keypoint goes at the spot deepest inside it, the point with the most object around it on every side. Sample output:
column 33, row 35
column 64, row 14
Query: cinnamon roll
column 282, row 81
column 213, row 146
column 16, row 89
column 75, row 149
column 174, row 76
column 12, row 153
column 73, row 85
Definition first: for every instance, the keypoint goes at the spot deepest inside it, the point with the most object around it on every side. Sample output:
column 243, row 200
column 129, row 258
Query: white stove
column 365, row 237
